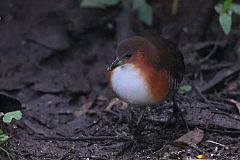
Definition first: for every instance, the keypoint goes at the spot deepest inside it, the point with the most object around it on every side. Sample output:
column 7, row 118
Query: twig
column 156, row 152
column 33, row 128
column 87, row 138
column 236, row 103
column 217, row 66
column 200, row 45
column 201, row 95
column 209, row 141
column 10, row 156
column 211, row 52
column 124, row 148
column 85, row 107
column 132, row 149
column 89, row 126
column 209, row 55
column 221, row 131
column 232, row 93
column 194, row 146
column 229, row 115
column 221, row 76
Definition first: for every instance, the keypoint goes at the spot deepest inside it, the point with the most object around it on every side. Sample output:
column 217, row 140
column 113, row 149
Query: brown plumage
column 162, row 53
column 146, row 70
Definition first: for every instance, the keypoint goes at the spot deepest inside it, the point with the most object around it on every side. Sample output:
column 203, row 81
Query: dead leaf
column 116, row 102
column 84, row 108
column 236, row 103
column 192, row 138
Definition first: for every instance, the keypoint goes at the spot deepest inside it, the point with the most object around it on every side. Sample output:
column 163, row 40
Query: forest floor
column 53, row 58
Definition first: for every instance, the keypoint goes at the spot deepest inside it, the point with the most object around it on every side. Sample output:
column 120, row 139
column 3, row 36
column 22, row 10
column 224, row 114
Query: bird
column 146, row 71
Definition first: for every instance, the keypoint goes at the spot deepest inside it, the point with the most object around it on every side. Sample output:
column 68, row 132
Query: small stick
column 87, row 138
column 201, row 95
column 212, row 51
column 209, row 141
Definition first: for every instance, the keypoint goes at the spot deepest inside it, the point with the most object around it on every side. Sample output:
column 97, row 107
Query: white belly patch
column 128, row 84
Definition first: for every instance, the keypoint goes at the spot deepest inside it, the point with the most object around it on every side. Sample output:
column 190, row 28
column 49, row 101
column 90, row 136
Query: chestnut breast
column 146, row 77
column 138, row 82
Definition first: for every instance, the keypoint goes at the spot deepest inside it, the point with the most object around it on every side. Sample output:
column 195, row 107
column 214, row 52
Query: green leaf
column 227, row 5
column 7, row 118
column 98, row 3
column 3, row 136
column 236, row 9
column 185, row 88
column 226, row 22
column 144, row 11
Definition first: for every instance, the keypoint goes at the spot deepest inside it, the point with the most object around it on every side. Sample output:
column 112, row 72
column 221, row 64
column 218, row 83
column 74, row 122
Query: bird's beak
column 117, row 62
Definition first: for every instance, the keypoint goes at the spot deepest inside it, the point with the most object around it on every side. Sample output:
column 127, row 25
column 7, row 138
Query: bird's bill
column 117, row 62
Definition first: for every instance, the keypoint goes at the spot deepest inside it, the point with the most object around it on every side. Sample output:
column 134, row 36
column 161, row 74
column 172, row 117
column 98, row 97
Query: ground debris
column 192, row 138
column 85, row 107
column 212, row 114
column 220, row 76
column 116, row 102
column 237, row 104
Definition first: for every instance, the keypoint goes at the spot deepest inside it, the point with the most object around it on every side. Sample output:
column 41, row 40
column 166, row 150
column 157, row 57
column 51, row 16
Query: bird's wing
column 169, row 55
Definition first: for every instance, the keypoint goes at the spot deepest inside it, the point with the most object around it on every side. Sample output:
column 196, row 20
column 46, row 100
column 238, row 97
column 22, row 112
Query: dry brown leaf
column 192, row 138
column 84, row 108
column 116, row 102
column 237, row 104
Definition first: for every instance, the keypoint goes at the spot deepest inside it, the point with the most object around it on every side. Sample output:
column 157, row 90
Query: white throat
column 130, row 86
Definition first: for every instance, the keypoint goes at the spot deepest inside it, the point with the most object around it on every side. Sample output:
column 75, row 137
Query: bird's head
column 132, row 50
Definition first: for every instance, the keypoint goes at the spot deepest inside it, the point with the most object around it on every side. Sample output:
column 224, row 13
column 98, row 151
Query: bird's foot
column 138, row 126
column 137, row 132
column 177, row 113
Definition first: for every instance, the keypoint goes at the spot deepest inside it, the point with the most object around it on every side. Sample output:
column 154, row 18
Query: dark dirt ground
column 53, row 56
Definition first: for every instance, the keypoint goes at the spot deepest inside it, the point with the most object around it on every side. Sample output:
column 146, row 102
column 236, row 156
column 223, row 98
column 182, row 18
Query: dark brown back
column 162, row 53
column 171, row 57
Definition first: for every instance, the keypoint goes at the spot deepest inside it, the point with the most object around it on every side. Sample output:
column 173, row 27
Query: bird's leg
column 139, row 128
column 177, row 112
column 142, row 111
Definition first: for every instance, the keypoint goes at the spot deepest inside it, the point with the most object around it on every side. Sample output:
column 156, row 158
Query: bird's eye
column 128, row 55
